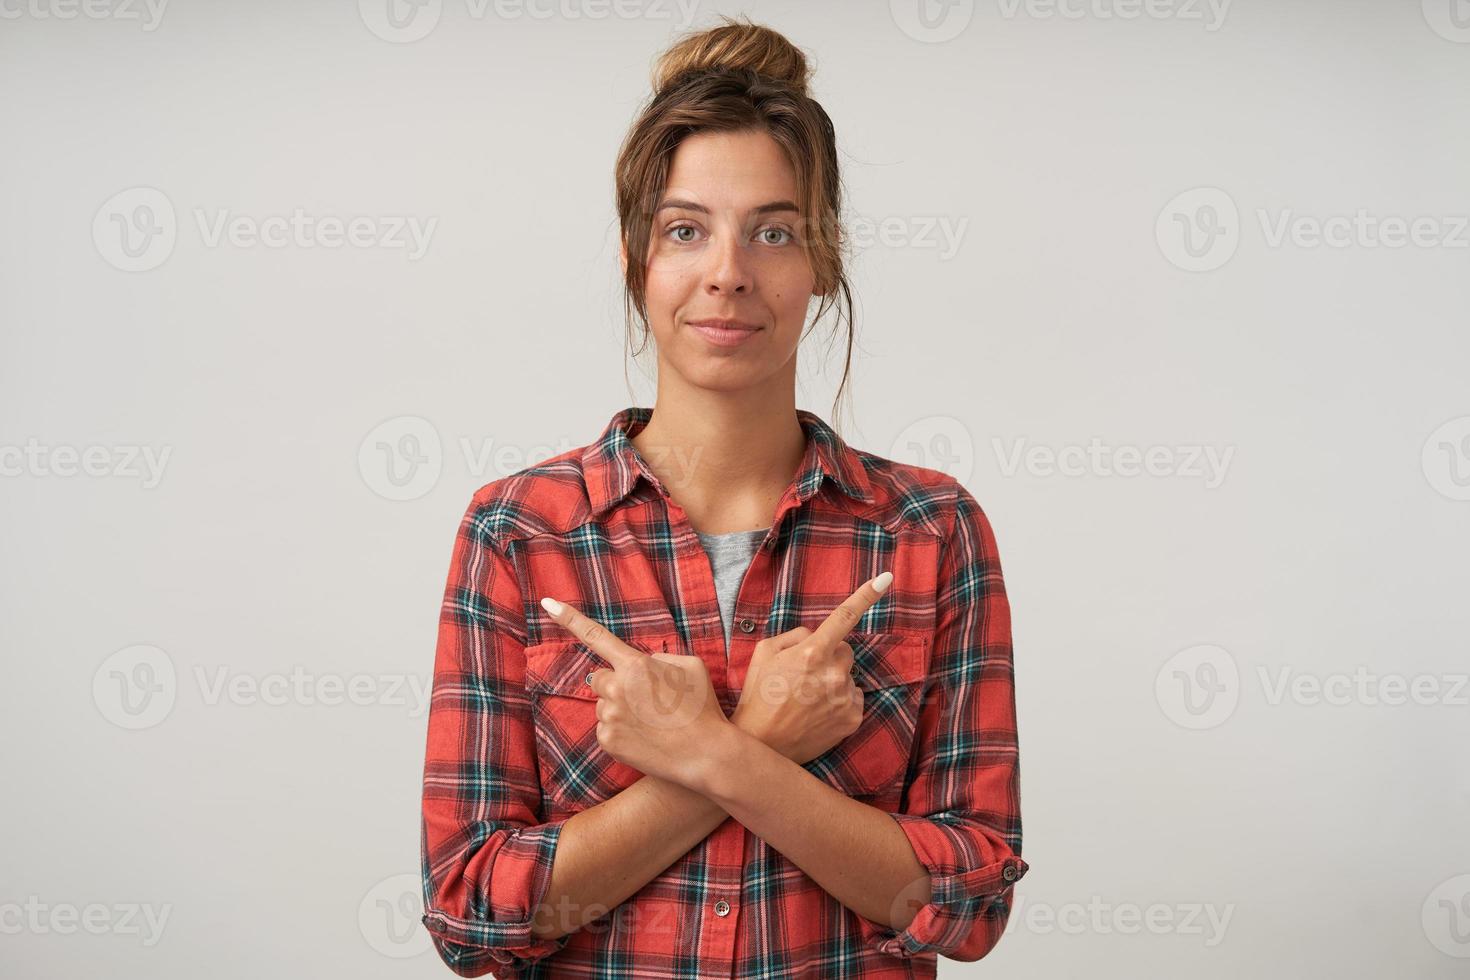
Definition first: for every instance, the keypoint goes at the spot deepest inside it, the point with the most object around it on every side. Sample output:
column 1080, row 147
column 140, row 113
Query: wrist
column 745, row 725
column 727, row 745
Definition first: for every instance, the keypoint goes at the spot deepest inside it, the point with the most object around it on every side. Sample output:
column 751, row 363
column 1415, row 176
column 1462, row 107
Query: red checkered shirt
column 512, row 746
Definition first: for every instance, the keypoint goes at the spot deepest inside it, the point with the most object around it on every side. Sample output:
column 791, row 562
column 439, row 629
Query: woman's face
column 724, row 246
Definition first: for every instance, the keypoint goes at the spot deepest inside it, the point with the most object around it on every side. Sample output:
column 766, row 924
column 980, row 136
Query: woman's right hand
column 799, row 697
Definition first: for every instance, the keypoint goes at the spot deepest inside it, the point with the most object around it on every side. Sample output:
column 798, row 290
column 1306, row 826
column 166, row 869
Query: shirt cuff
column 522, row 867
column 971, row 885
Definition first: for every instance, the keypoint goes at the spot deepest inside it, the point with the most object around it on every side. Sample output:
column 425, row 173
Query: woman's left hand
column 654, row 710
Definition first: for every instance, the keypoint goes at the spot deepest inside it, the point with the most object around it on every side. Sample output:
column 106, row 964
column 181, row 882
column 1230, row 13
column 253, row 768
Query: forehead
column 731, row 170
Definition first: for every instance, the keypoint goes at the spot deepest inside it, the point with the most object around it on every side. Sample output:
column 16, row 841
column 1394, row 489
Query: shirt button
column 722, row 907
column 1008, row 872
column 589, row 679
column 747, row 625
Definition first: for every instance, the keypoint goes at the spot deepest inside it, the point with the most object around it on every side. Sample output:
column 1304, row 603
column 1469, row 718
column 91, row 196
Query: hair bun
column 734, row 45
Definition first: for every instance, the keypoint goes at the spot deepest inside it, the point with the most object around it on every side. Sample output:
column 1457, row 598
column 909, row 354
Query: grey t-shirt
column 730, row 555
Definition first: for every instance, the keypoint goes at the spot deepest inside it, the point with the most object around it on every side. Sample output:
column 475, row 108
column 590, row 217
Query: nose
column 727, row 271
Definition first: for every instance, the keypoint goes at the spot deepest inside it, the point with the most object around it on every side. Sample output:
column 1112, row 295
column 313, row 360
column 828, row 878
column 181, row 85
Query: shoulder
column 549, row 496
column 919, row 496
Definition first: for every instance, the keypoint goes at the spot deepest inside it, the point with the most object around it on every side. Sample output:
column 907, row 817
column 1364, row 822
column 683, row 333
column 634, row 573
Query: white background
column 1323, row 829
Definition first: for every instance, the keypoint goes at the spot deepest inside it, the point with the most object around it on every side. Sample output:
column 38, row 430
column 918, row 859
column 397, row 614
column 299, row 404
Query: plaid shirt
column 512, row 746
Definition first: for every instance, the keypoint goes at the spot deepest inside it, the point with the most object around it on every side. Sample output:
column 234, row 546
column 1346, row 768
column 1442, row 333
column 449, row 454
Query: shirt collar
column 612, row 464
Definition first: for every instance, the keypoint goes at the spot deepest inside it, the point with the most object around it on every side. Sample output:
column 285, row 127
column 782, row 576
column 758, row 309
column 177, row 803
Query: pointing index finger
column 596, row 637
column 842, row 619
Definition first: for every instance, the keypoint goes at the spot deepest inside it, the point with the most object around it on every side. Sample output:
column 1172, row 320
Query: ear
column 623, row 255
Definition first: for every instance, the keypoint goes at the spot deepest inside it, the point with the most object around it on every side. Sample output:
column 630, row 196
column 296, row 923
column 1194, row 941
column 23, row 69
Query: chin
column 718, row 374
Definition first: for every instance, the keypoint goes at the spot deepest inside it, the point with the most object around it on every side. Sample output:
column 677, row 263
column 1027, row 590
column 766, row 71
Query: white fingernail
column 882, row 581
column 551, row 605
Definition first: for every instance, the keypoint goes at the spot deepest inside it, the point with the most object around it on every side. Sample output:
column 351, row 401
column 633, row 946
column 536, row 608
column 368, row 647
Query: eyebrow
column 774, row 206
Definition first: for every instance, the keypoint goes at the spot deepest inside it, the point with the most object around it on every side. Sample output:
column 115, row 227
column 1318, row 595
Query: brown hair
column 735, row 77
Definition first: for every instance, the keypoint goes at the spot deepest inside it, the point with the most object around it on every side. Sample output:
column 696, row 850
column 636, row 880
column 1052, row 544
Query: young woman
column 717, row 694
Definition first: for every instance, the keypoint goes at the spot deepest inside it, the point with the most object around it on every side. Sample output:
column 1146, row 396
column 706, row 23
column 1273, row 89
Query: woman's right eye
column 678, row 228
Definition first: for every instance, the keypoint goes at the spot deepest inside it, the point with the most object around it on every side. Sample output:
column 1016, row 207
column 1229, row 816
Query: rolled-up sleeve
column 961, row 808
column 486, row 853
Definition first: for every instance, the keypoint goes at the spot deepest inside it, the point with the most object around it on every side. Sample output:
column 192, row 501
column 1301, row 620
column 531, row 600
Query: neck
column 725, row 457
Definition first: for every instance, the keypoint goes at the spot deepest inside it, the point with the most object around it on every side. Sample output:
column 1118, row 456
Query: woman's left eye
column 779, row 231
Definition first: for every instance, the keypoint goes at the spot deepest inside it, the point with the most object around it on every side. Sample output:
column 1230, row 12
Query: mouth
column 725, row 332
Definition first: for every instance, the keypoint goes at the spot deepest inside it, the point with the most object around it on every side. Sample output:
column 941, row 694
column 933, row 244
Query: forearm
column 774, row 798
column 609, row 851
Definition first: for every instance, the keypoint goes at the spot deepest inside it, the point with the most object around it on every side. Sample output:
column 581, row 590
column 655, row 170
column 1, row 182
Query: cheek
column 668, row 282
column 663, row 294
column 788, row 292
column 791, row 278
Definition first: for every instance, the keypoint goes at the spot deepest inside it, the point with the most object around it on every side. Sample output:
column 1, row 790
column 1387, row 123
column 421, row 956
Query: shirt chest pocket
column 576, row 773
column 890, row 669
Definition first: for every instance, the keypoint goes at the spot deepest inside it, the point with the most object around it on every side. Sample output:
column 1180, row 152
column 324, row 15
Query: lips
column 725, row 332
column 724, row 323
